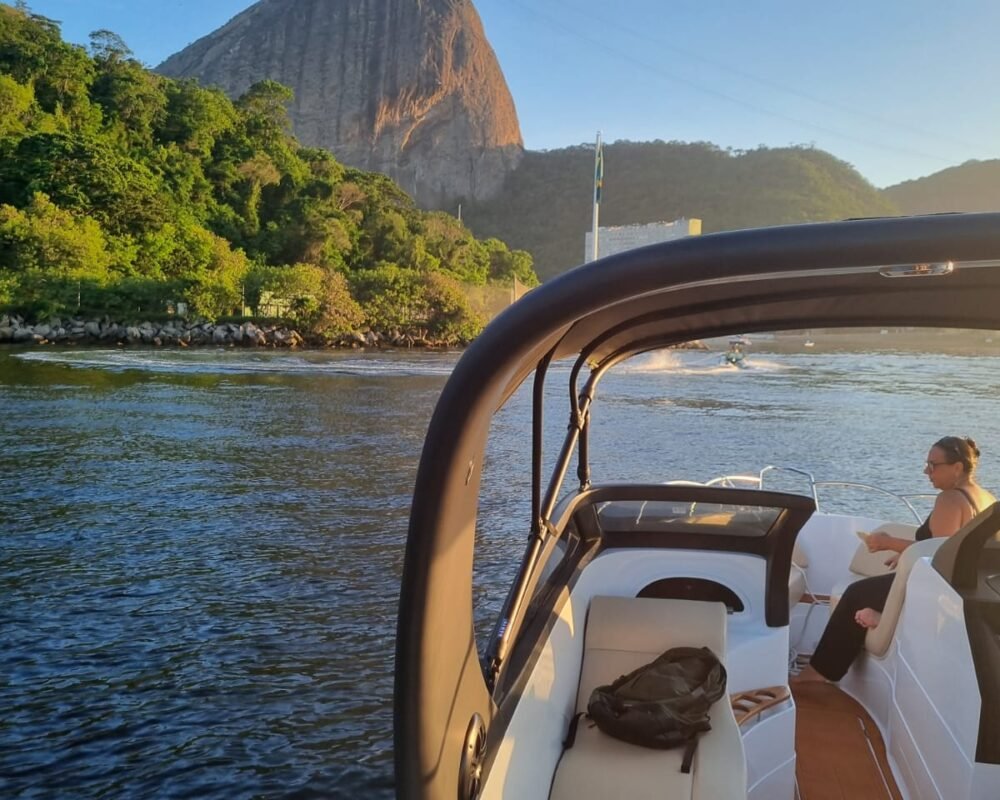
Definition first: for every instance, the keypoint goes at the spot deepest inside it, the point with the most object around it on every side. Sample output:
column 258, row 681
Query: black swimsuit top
column 924, row 531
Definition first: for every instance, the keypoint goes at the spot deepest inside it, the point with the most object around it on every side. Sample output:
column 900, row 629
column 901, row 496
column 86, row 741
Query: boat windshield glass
column 675, row 516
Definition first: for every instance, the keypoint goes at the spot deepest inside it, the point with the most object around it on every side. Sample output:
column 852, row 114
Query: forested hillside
column 972, row 186
column 124, row 193
column 545, row 206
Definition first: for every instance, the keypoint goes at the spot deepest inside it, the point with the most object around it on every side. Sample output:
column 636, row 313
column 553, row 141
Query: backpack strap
column 689, row 749
column 570, row 739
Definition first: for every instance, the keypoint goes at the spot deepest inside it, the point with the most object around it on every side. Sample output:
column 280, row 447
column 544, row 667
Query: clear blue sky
column 898, row 88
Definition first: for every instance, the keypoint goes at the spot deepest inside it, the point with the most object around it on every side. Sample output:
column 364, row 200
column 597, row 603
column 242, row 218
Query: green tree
column 339, row 313
column 46, row 255
column 448, row 315
column 196, row 117
column 506, row 264
column 264, row 107
column 85, row 174
column 15, row 104
column 214, row 288
column 411, row 302
column 46, row 237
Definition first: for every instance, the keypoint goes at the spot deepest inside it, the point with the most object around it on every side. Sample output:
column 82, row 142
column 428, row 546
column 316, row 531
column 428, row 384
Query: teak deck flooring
column 840, row 752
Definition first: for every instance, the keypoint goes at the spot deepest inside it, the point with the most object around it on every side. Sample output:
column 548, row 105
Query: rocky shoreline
column 183, row 333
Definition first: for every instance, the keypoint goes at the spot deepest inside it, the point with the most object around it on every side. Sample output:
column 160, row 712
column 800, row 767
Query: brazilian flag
column 599, row 172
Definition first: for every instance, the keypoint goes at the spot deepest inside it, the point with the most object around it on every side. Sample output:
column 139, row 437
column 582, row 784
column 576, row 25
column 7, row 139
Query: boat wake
column 687, row 363
column 248, row 363
column 759, row 365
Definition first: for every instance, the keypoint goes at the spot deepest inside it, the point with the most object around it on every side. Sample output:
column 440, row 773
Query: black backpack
column 662, row 704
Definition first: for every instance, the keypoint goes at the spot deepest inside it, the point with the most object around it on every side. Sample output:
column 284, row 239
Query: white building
column 619, row 238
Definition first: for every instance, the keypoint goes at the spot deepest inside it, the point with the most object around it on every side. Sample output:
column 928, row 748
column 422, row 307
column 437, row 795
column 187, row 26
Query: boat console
column 970, row 563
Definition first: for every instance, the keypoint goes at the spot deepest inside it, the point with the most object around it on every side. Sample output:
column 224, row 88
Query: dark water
column 200, row 551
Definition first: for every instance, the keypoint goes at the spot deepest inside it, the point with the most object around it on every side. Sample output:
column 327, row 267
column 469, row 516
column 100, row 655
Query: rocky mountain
column 972, row 186
column 411, row 89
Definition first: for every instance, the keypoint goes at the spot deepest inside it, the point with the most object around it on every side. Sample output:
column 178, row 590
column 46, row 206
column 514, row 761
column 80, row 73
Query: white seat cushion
column 624, row 633
column 865, row 564
column 878, row 639
column 871, row 564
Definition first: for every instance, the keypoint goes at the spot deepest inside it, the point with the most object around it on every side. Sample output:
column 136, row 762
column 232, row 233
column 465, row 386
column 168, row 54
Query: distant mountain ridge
column 545, row 205
column 972, row 186
column 412, row 90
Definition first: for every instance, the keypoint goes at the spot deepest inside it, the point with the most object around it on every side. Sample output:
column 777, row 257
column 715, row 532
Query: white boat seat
column 867, row 565
column 878, row 639
column 624, row 633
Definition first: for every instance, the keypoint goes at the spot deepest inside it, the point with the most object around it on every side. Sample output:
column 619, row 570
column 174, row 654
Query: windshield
column 683, row 517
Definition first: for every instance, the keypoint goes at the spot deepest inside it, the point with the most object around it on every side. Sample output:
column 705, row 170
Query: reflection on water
column 201, row 549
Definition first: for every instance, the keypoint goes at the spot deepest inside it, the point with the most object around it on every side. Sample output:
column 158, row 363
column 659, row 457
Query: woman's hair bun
column 972, row 445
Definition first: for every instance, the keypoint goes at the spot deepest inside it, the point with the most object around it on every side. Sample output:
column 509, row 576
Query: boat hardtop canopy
column 932, row 271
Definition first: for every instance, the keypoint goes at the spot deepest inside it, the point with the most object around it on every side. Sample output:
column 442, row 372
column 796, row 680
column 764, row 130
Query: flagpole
column 598, row 180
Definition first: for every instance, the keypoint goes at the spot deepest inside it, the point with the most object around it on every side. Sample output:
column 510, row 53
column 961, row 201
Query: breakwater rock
column 182, row 333
column 14, row 330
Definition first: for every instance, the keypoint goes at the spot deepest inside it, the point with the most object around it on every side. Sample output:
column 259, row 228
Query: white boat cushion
column 868, row 565
column 871, row 564
column 624, row 633
column 878, row 639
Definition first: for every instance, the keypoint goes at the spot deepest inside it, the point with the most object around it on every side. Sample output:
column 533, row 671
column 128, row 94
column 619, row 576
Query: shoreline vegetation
column 126, row 195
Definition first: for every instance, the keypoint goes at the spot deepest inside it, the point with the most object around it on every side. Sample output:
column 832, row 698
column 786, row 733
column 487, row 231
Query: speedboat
column 736, row 355
column 612, row 574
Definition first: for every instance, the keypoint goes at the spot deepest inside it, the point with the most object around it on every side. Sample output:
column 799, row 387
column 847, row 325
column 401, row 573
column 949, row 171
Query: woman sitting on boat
column 951, row 466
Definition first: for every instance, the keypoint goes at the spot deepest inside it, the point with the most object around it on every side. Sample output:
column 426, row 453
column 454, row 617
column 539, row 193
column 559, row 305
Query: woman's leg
column 843, row 638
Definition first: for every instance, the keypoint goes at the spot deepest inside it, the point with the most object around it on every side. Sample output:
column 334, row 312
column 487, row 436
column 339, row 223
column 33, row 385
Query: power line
column 722, row 95
column 770, row 83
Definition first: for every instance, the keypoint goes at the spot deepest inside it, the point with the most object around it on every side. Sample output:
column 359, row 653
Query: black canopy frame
column 795, row 277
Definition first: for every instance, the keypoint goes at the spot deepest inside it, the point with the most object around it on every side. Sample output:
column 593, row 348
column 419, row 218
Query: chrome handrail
column 796, row 471
column 814, row 486
column 853, row 485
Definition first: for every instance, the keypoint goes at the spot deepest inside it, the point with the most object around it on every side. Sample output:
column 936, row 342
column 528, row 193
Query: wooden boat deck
column 840, row 752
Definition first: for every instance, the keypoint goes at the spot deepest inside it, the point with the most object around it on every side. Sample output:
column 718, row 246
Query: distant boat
column 809, row 343
column 735, row 355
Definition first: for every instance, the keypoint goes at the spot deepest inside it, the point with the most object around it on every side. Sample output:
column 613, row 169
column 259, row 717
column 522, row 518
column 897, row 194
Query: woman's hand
column 879, row 541
column 892, row 561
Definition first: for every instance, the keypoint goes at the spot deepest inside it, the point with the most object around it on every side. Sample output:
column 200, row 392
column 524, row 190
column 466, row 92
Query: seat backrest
column 872, row 564
column 878, row 639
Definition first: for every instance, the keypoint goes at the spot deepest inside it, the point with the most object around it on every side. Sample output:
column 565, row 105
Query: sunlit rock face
column 410, row 88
